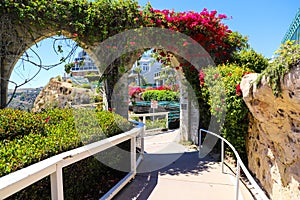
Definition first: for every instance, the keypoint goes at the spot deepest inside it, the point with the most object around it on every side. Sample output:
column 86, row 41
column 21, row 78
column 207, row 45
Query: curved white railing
column 52, row 166
column 240, row 164
column 144, row 115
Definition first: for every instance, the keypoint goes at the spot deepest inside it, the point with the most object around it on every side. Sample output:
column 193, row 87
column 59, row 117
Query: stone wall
column 273, row 142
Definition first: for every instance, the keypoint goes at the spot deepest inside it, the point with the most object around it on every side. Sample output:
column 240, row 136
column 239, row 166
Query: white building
column 147, row 72
column 83, row 65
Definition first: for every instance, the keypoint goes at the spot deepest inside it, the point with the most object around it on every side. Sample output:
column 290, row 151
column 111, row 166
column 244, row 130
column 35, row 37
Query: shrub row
column 160, row 95
column 59, row 130
column 15, row 123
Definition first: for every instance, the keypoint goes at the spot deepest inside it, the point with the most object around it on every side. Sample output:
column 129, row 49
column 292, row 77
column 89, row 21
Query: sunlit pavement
column 174, row 171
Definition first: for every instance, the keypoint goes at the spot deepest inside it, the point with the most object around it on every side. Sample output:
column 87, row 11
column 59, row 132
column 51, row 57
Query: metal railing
column 52, row 166
column 144, row 115
column 239, row 162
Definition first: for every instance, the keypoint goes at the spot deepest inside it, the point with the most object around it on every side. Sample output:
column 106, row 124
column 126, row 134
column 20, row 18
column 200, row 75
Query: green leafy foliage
column 15, row 123
column 54, row 131
column 251, row 59
column 288, row 56
column 160, row 95
column 62, row 130
column 156, row 123
column 91, row 20
column 224, row 96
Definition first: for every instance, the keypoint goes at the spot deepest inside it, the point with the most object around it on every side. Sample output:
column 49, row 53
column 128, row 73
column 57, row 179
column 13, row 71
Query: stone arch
column 28, row 40
column 146, row 38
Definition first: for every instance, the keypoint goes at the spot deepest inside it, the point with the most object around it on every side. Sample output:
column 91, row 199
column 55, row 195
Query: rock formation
column 273, row 142
column 61, row 94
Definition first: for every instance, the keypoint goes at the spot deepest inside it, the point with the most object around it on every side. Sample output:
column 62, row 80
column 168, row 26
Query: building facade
column 293, row 33
column 146, row 72
column 83, row 65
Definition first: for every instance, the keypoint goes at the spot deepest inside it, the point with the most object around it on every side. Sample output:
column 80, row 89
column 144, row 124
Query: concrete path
column 173, row 171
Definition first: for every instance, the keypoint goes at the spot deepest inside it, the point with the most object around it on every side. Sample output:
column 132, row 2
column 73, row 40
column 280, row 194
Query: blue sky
column 264, row 22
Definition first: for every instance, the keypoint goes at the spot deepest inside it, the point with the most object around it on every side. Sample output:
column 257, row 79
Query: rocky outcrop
column 273, row 142
column 61, row 94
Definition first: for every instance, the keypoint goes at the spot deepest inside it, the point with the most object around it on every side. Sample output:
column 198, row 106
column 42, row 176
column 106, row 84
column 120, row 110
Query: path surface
column 173, row 171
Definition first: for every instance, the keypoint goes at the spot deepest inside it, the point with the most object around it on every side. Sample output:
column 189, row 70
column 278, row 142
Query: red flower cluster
column 135, row 91
column 204, row 27
column 238, row 90
column 245, row 73
column 216, row 76
column 163, row 87
column 47, row 119
column 201, row 77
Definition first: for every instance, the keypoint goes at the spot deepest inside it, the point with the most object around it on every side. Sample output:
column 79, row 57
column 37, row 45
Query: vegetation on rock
column 287, row 57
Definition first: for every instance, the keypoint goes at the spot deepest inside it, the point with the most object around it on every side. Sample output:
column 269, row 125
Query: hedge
column 60, row 130
column 160, row 95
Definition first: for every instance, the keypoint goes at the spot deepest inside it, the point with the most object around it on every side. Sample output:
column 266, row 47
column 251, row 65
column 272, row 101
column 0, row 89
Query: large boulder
column 61, row 94
column 273, row 142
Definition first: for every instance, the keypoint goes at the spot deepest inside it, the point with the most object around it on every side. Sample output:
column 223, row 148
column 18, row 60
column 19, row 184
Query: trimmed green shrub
column 157, row 123
column 63, row 129
column 252, row 60
column 225, row 100
column 16, row 123
column 160, row 95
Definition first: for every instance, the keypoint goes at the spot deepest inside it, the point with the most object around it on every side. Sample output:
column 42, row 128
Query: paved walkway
column 173, row 171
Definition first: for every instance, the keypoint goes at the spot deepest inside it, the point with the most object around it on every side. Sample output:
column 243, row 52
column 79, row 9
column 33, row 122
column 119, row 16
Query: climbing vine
column 287, row 57
column 88, row 21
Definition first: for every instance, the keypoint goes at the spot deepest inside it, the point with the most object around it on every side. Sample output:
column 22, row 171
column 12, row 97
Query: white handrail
column 144, row 115
column 240, row 164
column 52, row 166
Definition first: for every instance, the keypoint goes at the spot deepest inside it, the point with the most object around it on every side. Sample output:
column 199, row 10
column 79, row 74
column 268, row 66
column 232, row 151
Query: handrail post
column 144, row 122
column 133, row 155
column 167, row 120
column 237, row 180
column 200, row 138
column 222, row 155
column 142, row 143
column 56, row 178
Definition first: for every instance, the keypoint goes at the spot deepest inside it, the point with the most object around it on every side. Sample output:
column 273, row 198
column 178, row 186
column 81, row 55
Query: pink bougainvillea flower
column 238, row 90
column 201, row 76
column 185, row 43
column 216, row 76
column 245, row 73
column 47, row 119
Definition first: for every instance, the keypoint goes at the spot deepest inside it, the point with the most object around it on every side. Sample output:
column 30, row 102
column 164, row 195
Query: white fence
column 20, row 179
column 240, row 164
column 144, row 115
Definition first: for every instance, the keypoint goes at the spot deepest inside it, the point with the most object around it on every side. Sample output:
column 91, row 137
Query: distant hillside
column 24, row 98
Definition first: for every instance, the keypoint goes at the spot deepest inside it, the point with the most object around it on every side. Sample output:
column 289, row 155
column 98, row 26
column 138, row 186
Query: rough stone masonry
column 273, row 141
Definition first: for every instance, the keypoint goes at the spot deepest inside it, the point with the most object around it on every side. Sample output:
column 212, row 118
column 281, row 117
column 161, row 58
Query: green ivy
column 287, row 57
column 87, row 21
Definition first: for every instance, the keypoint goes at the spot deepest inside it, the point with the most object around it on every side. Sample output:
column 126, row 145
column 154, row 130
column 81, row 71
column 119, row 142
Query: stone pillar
column 184, row 112
column 3, row 85
column 189, row 113
column 120, row 97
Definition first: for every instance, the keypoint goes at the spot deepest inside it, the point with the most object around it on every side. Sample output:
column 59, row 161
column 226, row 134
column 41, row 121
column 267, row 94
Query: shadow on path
column 146, row 180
